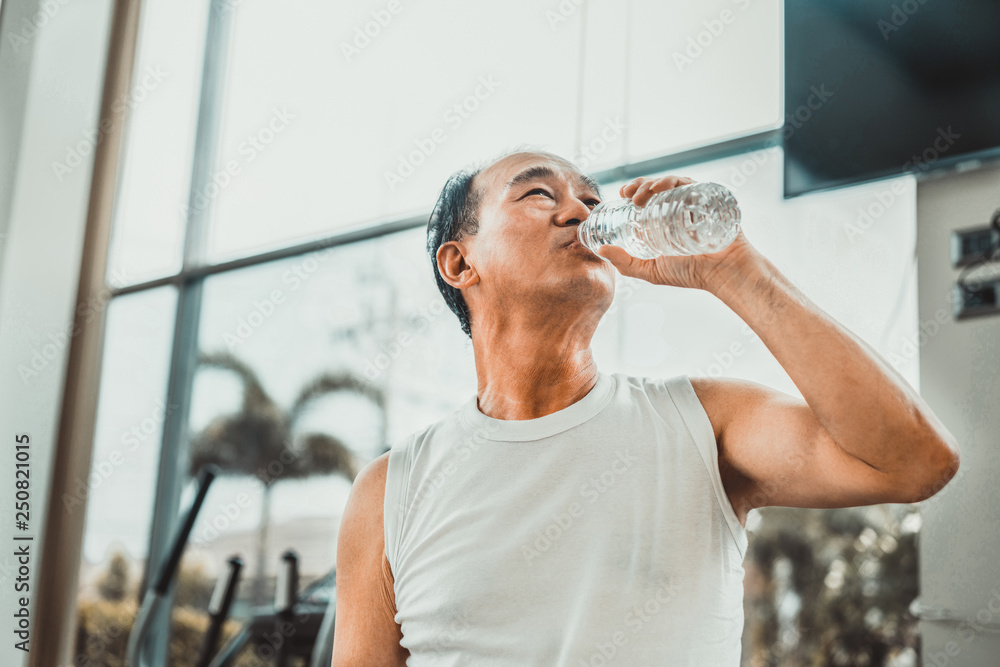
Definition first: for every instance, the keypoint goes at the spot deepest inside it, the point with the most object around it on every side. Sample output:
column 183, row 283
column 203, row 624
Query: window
column 155, row 174
column 118, row 495
column 342, row 351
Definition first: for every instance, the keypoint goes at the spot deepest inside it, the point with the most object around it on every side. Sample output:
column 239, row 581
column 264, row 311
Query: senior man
column 568, row 517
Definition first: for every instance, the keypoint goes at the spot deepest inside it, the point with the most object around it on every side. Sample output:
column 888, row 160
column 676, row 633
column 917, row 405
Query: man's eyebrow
column 530, row 174
column 541, row 171
column 590, row 183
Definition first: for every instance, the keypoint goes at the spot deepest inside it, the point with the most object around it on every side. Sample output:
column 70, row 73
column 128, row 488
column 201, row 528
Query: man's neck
column 529, row 374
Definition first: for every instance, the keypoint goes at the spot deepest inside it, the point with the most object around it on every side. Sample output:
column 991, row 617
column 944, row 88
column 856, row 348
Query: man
column 565, row 516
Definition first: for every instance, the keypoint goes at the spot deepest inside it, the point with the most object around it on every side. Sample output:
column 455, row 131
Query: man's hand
column 708, row 272
column 860, row 435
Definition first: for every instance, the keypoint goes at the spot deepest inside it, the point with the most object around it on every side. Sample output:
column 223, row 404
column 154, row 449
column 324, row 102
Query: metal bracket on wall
column 944, row 615
column 977, row 298
column 972, row 244
column 971, row 249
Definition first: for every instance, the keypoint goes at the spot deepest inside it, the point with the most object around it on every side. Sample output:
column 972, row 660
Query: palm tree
column 259, row 440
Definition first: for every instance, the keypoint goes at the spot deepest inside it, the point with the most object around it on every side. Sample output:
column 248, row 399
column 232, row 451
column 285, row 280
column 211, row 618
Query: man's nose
column 573, row 213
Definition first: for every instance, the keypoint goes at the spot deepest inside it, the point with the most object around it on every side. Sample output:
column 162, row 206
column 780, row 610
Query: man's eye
column 593, row 202
column 538, row 191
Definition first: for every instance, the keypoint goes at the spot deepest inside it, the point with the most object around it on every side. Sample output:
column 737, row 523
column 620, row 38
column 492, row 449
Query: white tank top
column 597, row 535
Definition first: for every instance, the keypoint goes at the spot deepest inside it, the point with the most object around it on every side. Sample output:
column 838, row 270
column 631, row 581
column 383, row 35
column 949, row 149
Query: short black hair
column 455, row 216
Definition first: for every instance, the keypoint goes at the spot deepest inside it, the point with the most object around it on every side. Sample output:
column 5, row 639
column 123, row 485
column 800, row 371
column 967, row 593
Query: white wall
column 15, row 62
column 960, row 379
column 41, row 261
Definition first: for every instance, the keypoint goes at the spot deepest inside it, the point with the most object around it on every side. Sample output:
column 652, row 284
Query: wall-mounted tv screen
column 875, row 88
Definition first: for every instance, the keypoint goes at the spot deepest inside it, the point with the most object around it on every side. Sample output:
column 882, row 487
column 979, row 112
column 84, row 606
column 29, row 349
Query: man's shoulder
column 376, row 471
column 369, row 485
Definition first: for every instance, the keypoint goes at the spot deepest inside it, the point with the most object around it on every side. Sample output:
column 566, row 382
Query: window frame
column 195, row 268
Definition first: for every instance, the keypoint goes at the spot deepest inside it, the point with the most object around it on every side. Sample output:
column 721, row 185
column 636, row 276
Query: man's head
column 499, row 237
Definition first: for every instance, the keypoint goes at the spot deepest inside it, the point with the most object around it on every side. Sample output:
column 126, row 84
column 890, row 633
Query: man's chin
column 595, row 285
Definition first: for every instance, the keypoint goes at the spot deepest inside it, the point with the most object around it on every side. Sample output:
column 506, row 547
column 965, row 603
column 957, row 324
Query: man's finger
column 641, row 189
column 628, row 190
column 619, row 258
column 671, row 182
column 644, row 192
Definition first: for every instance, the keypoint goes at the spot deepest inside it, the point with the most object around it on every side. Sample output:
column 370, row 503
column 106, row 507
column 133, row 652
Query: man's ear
column 454, row 269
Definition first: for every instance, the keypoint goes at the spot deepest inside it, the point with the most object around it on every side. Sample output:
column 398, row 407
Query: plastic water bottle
column 693, row 219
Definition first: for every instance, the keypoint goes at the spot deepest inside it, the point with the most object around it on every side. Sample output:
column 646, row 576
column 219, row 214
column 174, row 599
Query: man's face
column 525, row 253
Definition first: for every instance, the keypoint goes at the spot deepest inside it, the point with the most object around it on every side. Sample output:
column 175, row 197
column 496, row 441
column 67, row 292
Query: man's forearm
column 864, row 404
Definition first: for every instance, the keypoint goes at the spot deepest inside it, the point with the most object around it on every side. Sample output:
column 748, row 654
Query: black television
column 876, row 88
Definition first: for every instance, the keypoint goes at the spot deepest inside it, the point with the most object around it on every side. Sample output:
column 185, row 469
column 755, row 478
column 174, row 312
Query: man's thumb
column 617, row 256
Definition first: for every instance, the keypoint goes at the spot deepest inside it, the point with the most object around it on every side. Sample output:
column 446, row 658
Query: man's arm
column 774, row 451
column 861, row 436
column 365, row 629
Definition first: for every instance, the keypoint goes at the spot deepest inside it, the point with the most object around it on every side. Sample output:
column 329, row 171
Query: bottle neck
column 606, row 222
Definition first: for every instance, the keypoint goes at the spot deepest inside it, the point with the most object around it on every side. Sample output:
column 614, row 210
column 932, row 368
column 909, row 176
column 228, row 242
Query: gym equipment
column 286, row 592
column 155, row 596
column 322, row 653
column 218, row 608
column 263, row 631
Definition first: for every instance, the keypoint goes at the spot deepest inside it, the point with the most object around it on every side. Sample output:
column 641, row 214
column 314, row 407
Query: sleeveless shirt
column 599, row 534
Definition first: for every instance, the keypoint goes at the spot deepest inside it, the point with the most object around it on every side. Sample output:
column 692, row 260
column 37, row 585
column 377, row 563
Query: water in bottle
column 693, row 219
